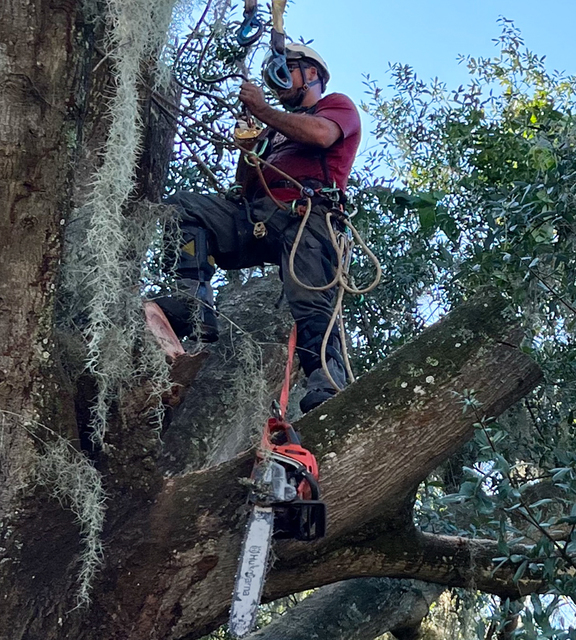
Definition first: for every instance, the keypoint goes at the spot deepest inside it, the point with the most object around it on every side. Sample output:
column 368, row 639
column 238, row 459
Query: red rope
column 286, row 386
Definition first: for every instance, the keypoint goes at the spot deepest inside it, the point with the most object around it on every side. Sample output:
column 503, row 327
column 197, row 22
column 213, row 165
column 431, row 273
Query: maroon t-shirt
column 305, row 161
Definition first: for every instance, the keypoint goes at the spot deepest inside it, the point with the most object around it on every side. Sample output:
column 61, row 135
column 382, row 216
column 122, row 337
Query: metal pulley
column 246, row 129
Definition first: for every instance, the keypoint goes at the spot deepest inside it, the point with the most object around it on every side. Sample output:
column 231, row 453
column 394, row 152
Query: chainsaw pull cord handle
column 285, row 393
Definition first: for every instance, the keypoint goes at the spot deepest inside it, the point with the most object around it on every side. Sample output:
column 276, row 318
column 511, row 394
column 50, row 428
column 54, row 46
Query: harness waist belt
column 288, row 184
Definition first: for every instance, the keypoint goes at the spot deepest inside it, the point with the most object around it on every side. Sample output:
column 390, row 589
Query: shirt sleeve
column 340, row 109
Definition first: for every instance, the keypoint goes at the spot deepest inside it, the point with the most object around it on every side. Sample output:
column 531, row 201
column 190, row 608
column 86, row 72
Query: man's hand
column 299, row 127
column 253, row 97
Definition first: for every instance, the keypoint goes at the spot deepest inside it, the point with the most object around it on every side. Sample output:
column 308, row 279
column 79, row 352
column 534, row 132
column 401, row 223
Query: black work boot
column 190, row 311
column 318, row 387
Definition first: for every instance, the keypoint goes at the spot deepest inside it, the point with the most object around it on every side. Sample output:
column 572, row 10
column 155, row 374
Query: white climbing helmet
column 296, row 51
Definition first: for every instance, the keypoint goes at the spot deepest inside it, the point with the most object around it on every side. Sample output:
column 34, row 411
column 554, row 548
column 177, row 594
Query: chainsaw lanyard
column 284, row 395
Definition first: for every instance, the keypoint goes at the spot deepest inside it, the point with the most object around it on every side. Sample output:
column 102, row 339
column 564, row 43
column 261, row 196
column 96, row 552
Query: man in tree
column 314, row 141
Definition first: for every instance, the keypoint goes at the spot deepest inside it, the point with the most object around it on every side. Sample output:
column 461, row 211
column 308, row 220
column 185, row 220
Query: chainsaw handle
column 291, row 435
column 279, row 425
column 312, row 483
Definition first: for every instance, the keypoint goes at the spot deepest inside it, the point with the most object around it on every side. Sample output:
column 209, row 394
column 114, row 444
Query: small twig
column 209, row 95
column 534, row 421
column 553, row 291
column 193, row 33
column 491, row 630
column 105, row 55
column 203, row 166
column 223, row 140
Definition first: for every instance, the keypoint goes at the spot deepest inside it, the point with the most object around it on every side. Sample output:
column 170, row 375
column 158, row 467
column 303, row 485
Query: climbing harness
column 342, row 243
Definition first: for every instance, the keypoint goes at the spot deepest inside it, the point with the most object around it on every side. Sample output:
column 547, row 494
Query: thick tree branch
column 359, row 609
column 446, row 560
column 377, row 440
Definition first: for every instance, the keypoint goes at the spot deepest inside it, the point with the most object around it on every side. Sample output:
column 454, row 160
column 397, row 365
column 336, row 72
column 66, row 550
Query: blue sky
column 363, row 36
column 359, row 36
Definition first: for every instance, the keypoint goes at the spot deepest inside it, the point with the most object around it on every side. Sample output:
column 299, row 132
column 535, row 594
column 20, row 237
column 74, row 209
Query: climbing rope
column 278, row 8
column 343, row 246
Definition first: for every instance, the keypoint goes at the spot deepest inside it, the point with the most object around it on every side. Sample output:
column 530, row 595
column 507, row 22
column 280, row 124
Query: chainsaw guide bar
column 284, row 499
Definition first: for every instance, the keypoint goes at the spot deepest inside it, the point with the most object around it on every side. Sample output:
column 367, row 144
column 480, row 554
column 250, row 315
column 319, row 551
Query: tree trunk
column 42, row 65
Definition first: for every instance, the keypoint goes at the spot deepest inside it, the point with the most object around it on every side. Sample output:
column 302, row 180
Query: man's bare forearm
column 301, row 127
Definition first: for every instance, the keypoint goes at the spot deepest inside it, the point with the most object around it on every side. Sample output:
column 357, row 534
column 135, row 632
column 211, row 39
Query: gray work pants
column 232, row 243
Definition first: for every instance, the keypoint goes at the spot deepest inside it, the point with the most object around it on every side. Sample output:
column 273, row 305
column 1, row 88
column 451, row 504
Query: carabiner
column 251, row 28
column 277, row 72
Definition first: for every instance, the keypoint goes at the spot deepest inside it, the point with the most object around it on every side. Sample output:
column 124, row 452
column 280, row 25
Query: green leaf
column 540, row 503
column 427, row 217
column 515, row 558
column 536, row 604
column 520, row 572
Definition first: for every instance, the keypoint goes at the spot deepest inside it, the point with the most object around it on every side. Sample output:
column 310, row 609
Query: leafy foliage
column 208, row 65
column 495, row 160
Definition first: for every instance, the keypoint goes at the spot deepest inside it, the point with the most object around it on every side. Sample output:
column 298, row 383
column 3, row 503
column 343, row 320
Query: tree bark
column 358, row 609
column 52, row 126
column 170, row 568
column 224, row 410
column 41, row 69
